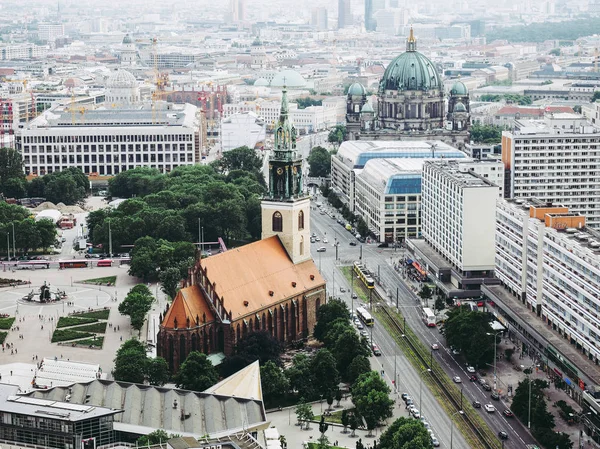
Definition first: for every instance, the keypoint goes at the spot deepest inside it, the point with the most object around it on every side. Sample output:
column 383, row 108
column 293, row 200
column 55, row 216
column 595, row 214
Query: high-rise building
column 319, row 19
column 370, row 24
column 344, row 14
column 237, row 10
column 553, row 162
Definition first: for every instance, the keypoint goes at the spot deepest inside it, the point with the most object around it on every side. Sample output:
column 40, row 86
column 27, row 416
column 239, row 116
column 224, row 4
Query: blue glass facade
column 364, row 157
column 403, row 184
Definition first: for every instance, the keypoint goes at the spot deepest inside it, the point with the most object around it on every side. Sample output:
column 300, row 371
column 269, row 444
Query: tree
column 347, row 347
column 261, row 346
column 328, row 313
column 131, row 362
column 345, row 420
column 325, row 373
column 159, row 436
column 15, row 188
column 370, row 396
column 405, row 433
column 300, row 376
column 11, row 167
column 338, row 397
column 241, row 158
column 488, row 134
column 319, row 161
column 197, row 373
column 359, row 365
column 361, row 227
column 336, row 328
column 136, row 306
column 353, row 423
column 595, row 97
column 337, row 135
column 303, row 413
column 425, row 294
column 307, row 101
column 439, row 304
column 471, row 333
column 170, row 279
column 273, row 381
column 157, row 371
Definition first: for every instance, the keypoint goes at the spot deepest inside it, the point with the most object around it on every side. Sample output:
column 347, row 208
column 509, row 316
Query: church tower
column 286, row 208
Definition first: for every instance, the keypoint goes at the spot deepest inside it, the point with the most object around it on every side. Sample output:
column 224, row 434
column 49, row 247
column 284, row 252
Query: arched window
column 300, row 220
column 302, row 245
column 277, row 222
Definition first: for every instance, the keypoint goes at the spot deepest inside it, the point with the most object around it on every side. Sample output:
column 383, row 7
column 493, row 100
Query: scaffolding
column 6, row 120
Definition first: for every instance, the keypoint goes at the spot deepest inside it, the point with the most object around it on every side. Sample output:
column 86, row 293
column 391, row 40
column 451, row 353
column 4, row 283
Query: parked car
column 322, row 249
column 342, row 290
column 434, row 441
column 486, row 387
column 376, row 350
column 325, row 240
column 405, row 396
column 495, row 396
column 473, row 378
column 470, row 369
column 457, row 379
column 435, row 346
column 354, row 296
column 476, row 404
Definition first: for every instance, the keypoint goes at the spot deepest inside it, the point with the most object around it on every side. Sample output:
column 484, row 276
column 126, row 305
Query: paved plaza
column 35, row 322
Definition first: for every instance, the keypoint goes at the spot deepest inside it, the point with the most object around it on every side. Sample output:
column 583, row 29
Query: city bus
column 72, row 264
column 365, row 316
column 32, row 264
column 104, row 263
column 428, row 317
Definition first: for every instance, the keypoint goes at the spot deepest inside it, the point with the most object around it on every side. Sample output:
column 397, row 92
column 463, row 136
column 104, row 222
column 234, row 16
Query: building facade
column 245, row 129
column 270, row 285
column 554, row 164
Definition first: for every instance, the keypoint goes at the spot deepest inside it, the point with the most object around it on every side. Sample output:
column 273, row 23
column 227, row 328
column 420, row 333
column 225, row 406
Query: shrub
column 68, row 334
column 6, row 323
column 98, row 314
column 68, row 321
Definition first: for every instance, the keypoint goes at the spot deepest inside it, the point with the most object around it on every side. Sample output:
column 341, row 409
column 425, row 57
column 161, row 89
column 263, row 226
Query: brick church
column 272, row 284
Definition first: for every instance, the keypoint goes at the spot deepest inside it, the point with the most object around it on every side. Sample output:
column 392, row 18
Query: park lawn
column 3, row 336
column 68, row 321
column 97, row 328
column 316, row 446
column 97, row 314
column 68, row 334
column 6, row 323
column 335, row 417
column 97, row 343
column 97, row 281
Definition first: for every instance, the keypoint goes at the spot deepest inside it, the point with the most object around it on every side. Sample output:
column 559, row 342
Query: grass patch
column 100, row 281
column 97, row 314
column 316, row 446
column 6, row 323
column 3, row 336
column 98, row 328
column 68, row 334
column 335, row 417
column 415, row 360
column 97, row 343
column 68, row 321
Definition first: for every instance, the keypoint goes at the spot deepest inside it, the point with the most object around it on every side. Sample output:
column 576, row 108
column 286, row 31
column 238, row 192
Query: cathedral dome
column 127, row 39
column 411, row 71
column 459, row 107
column 121, row 79
column 357, row 89
column 367, row 108
column 288, row 78
column 459, row 88
column 261, row 82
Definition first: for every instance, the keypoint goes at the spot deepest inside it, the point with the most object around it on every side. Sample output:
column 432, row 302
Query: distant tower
column 237, row 10
column 286, row 208
column 344, row 14
column 370, row 24
column 319, row 19
column 128, row 51
column 459, row 109
column 355, row 100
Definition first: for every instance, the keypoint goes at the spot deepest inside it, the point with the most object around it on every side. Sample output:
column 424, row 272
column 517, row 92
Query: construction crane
column 596, row 54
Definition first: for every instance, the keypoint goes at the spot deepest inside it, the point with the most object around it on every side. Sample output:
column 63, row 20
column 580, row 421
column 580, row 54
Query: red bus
column 104, row 263
column 73, row 264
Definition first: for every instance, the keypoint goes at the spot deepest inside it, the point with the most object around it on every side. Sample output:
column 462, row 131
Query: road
column 380, row 261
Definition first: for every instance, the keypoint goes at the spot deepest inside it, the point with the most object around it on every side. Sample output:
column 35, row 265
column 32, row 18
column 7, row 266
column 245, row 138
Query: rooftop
column 459, row 174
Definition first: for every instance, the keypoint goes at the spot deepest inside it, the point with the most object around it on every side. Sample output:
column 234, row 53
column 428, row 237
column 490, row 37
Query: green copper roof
column 357, row 89
column 367, row 108
column 410, row 71
column 459, row 88
column 459, row 107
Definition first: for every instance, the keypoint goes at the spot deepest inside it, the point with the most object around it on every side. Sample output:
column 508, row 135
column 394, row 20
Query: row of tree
column 69, row 186
column 29, row 234
column 488, row 134
column 471, row 333
column 361, row 226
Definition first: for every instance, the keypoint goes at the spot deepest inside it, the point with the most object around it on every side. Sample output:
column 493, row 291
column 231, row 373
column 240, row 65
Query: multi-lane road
column 381, row 261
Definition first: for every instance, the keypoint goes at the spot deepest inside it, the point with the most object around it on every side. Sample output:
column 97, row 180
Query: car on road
column 409, row 403
column 486, row 387
column 312, row 240
column 434, row 441
column 489, row 408
column 457, row 379
column 415, row 413
column 364, row 333
column 359, row 325
column 473, row 378
column 322, row 249
column 354, row 296
column 495, row 396
column 455, row 351
column 426, row 423
column 325, row 240
column 342, row 290
column 470, row 370
column 352, row 243
column 435, row 346
column 503, row 435
column 317, row 239
column 508, row 413
column 376, row 350
column 476, row 404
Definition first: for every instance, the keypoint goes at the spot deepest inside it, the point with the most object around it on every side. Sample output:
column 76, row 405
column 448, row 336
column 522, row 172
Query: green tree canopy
column 405, row 433
column 157, row 371
column 131, row 362
column 11, row 171
column 319, row 162
column 197, row 373
column 328, row 313
column 348, row 346
column 337, row 135
column 359, row 365
column 325, row 373
column 487, row 134
column 300, row 376
column 274, row 382
column 307, row 101
column 471, row 333
column 136, row 306
column 370, row 396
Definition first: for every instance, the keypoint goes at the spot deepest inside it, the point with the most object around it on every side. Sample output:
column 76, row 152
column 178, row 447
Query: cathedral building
column 271, row 285
column 411, row 104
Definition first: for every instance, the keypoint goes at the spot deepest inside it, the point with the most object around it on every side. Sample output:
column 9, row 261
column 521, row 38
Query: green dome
column 127, row 39
column 357, row 89
column 367, row 108
column 411, row 71
column 459, row 88
column 459, row 107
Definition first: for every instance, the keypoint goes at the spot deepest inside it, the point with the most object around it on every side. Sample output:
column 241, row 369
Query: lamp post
column 8, row 246
column 452, row 425
column 495, row 359
column 427, row 370
column 529, row 406
column 14, row 244
column 579, row 416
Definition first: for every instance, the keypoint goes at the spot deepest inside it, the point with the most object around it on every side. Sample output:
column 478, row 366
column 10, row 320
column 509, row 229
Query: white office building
column 48, row 32
column 549, row 260
column 243, row 129
column 107, row 142
column 22, row 51
column 353, row 155
column 555, row 164
column 458, row 209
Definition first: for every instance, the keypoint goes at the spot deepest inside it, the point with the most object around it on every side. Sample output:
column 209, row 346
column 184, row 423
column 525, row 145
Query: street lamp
column 452, row 425
column 14, row 244
column 530, row 370
column 495, row 358
column 579, row 416
column 427, row 370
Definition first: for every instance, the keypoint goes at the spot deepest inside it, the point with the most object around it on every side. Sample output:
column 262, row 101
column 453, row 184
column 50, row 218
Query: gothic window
column 300, row 220
column 301, row 245
column 277, row 222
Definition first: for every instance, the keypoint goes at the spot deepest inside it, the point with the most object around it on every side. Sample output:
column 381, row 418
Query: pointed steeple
column 411, row 42
column 285, row 107
column 285, row 132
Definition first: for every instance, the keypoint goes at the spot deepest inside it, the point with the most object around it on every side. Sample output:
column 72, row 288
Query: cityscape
column 339, row 224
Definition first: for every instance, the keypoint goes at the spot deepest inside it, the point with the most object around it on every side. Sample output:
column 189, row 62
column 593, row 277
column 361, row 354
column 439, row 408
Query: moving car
column 342, row 290
column 354, row 296
column 352, row 243
column 470, row 369
column 508, row 413
column 435, row 346
column 322, row 249
column 376, row 350
column 325, row 240
column 476, row 404
column 473, row 378
column 457, row 379
column 486, row 387
column 503, row 435
column 495, row 396
column 489, row 408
